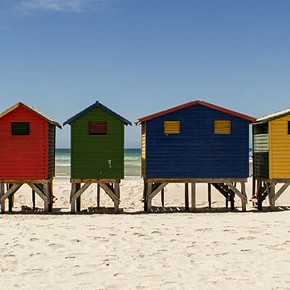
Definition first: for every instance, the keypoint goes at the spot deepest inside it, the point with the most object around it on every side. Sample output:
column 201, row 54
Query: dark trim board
column 110, row 186
column 227, row 187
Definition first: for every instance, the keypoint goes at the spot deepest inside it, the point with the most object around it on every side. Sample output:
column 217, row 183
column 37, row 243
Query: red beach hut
column 27, row 152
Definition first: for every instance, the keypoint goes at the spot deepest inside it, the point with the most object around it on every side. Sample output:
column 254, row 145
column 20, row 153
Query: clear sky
column 139, row 57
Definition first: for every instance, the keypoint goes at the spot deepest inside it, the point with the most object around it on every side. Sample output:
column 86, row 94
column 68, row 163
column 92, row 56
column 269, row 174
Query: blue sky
column 141, row 56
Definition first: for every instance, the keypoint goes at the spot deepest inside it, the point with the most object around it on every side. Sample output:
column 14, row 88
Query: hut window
column 171, row 127
column 288, row 127
column 18, row 128
column 97, row 128
column 222, row 127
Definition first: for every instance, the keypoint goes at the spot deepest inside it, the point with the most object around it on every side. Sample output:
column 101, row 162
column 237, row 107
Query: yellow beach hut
column 271, row 157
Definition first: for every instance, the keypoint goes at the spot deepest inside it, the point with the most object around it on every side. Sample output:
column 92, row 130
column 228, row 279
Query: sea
column 132, row 162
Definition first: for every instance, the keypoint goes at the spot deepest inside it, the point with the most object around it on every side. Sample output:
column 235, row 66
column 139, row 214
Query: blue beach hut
column 195, row 142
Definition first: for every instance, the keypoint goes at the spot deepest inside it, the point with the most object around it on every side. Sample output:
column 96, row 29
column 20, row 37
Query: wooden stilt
column 186, row 196
column 243, row 191
column 209, row 194
column 253, row 185
column 145, row 195
column 73, row 203
column 2, row 192
column 259, row 198
column 78, row 200
column 50, row 188
column 33, row 199
column 272, row 195
column 10, row 199
column 232, row 200
column 47, row 197
column 162, row 197
column 117, row 193
column 98, row 194
column 193, row 197
column 149, row 200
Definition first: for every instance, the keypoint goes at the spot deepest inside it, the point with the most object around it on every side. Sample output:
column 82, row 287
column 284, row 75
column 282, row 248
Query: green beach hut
column 97, row 151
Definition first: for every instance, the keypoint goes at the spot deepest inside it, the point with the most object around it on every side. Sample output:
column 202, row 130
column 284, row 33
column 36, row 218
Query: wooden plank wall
column 261, row 150
column 197, row 152
column 23, row 156
column 143, row 150
column 279, row 147
column 51, row 150
column 97, row 156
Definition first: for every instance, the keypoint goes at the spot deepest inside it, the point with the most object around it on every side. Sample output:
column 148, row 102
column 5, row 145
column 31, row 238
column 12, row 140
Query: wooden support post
column 72, row 200
column 227, row 202
column 50, row 188
column 259, row 198
column 232, row 200
column 162, row 197
column 145, row 195
column 186, row 196
column 272, row 195
column 10, row 199
column 243, row 192
column 46, row 193
column 78, row 200
column 98, row 194
column 2, row 192
column 209, row 194
column 117, row 193
column 33, row 199
column 149, row 200
column 253, row 185
column 193, row 197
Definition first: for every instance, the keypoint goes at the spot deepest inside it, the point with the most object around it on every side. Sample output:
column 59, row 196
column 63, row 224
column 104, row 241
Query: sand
column 135, row 250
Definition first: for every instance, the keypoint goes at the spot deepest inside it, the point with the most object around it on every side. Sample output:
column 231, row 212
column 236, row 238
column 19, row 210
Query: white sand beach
column 134, row 250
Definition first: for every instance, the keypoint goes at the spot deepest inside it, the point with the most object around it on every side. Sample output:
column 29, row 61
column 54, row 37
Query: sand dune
column 135, row 250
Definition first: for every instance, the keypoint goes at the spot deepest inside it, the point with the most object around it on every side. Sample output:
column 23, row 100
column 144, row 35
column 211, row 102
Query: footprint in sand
column 139, row 234
column 246, row 238
column 55, row 246
column 203, row 230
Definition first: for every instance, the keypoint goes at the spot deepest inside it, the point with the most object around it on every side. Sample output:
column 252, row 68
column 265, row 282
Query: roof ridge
column 192, row 103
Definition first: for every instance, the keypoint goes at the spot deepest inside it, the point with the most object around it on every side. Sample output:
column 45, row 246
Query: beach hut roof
column 97, row 104
column 144, row 119
column 31, row 109
column 274, row 116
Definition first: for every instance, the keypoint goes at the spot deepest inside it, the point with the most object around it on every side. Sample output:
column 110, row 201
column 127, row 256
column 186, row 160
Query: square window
column 20, row 128
column 222, row 127
column 171, row 127
column 97, row 128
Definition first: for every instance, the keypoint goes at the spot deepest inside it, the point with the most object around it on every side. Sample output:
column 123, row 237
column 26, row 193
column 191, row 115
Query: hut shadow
column 267, row 209
column 154, row 210
column 173, row 209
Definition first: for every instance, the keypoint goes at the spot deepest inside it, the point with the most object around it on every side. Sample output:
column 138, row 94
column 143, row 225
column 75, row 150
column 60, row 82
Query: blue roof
column 97, row 104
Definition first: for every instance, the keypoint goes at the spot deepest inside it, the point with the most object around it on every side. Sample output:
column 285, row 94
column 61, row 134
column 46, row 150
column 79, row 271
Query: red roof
column 141, row 120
